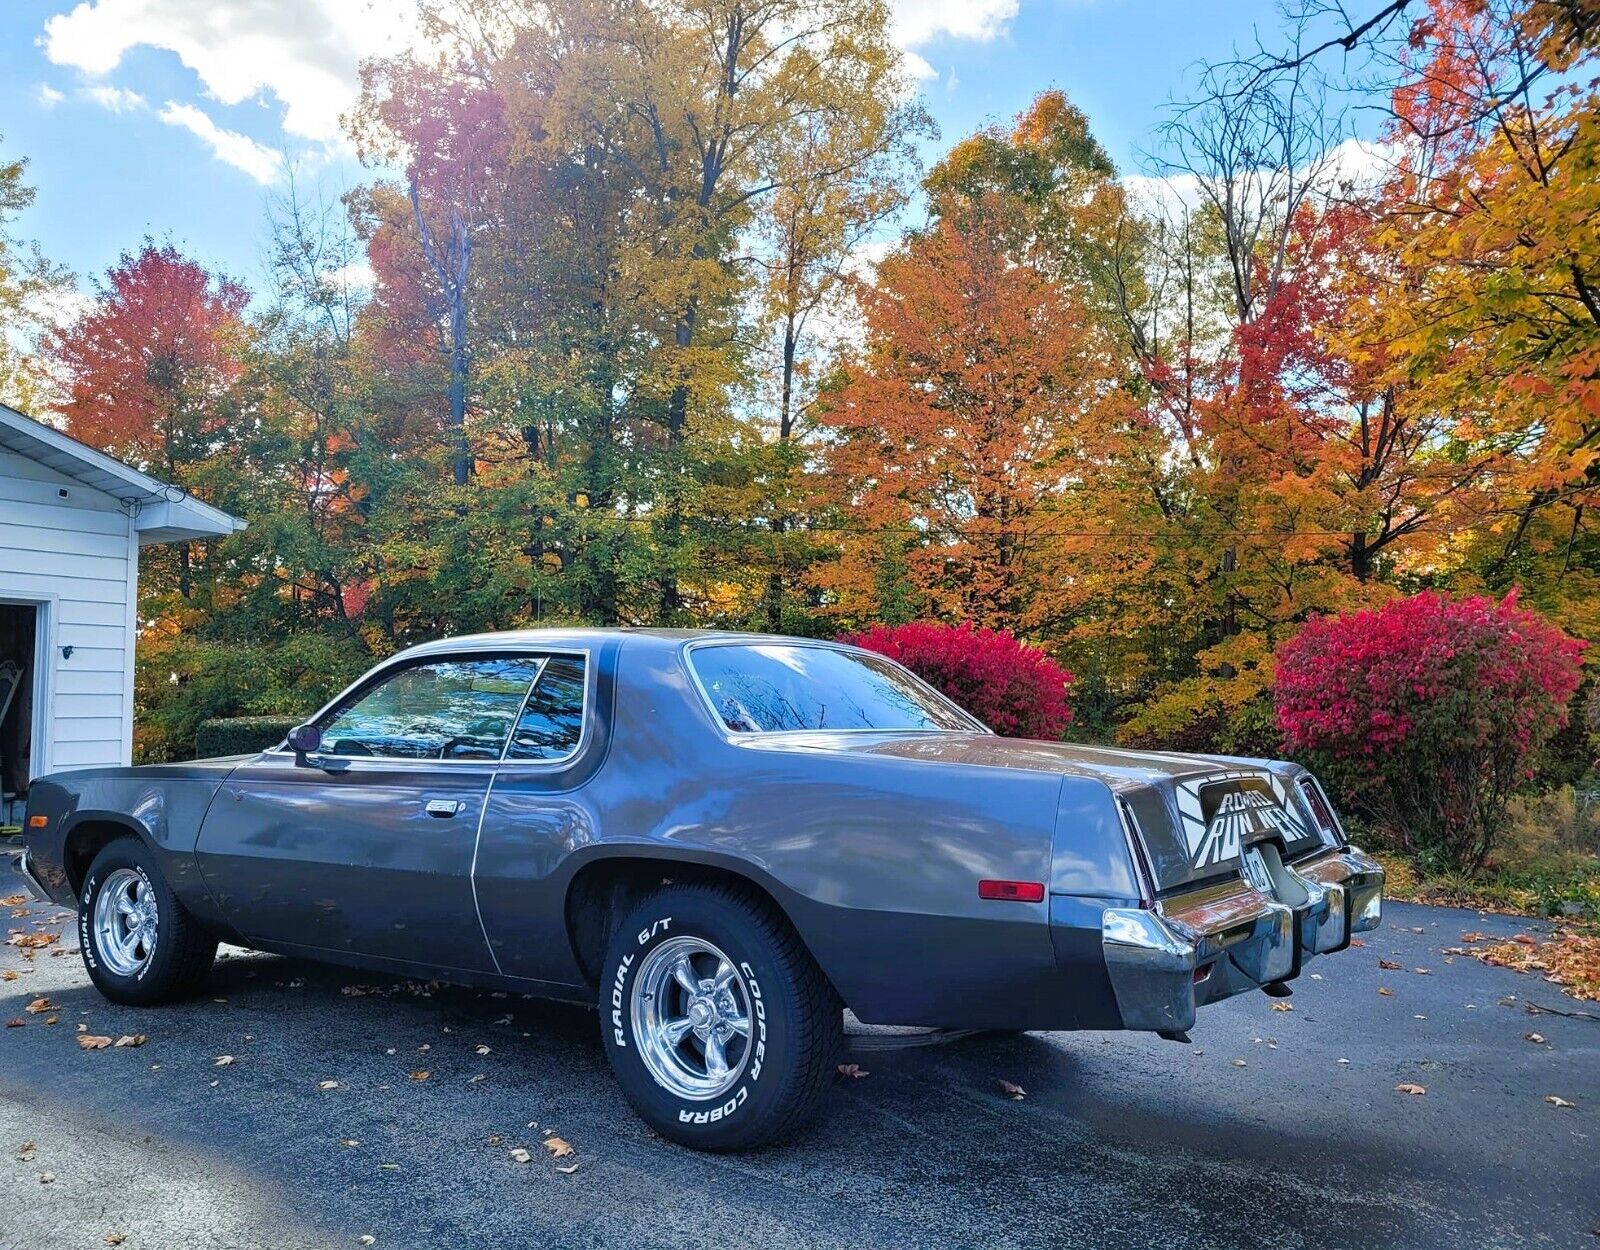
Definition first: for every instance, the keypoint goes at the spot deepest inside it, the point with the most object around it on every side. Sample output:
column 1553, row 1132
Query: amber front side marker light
column 38, row 822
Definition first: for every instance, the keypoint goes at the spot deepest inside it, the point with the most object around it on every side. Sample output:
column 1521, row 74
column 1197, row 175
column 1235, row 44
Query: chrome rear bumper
column 1197, row 948
column 19, row 861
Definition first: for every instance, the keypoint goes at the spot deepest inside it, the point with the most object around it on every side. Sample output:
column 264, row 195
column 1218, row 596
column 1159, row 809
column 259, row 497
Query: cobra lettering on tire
column 719, row 1026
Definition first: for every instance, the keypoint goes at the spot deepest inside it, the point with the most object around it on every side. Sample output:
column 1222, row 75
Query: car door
column 366, row 847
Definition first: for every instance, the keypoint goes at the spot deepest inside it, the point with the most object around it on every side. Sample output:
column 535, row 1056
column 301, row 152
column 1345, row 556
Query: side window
column 443, row 710
column 552, row 723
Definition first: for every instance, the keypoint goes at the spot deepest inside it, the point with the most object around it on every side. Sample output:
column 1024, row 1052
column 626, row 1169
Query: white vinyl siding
column 78, row 555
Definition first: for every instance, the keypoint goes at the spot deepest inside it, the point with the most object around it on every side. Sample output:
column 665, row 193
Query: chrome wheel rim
column 691, row 1018
column 125, row 922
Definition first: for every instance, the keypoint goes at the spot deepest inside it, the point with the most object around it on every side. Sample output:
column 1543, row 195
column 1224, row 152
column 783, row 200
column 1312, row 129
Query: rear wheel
column 140, row 944
column 720, row 1027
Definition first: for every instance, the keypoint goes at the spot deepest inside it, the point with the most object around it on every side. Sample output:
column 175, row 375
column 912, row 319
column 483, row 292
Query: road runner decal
column 1223, row 811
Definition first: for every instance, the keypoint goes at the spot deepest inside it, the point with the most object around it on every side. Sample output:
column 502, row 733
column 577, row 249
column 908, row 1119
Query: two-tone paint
column 871, row 842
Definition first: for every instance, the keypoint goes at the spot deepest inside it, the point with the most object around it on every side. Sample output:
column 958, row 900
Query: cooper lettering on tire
column 722, row 1029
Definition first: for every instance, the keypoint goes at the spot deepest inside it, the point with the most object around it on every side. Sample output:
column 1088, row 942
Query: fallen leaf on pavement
column 26, row 1151
column 558, row 1147
column 113, row 1239
column 349, row 1142
column 1536, row 1038
column 1386, row 991
column 421, row 1074
column 222, row 1061
column 1013, row 1091
column 47, row 1178
column 18, row 1023
column 1423, row 972
column 853, row 1070
column 1357, row 942
column 92, row 1041
column 1344, row 1061
column 14, row 900
column 327, row 1084
column 1388, row 965
column 1239, row 1063
column 33, row 941
column 131, row 1039
column 38, row 1005
column 1524, row 939
column 569, row 1169
column 1557, row 1102
column 9, row 975
column 495, row 1139
column 1473, row 937
column 1405, row 1087
column 1282, row 1006
column 520, row 1155
column 482, row 1050
column 366, row 1239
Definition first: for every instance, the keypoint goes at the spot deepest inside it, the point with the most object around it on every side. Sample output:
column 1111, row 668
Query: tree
column 979, row 399
column 29, row 286
column 152, row 371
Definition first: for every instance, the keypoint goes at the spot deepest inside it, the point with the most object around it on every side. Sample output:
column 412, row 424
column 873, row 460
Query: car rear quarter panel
column 876, row 859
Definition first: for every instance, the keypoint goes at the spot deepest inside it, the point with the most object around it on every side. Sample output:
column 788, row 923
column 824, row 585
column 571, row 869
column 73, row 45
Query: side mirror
column 303, row 739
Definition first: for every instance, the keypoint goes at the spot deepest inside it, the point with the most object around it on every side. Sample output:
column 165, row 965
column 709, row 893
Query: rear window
column 774, row 687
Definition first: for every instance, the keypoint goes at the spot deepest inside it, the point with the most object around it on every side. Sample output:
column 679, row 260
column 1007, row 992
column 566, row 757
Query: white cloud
column 48, row 96
column 917, row 21
column 228, row 146
column 304, row 53
column 114, row 99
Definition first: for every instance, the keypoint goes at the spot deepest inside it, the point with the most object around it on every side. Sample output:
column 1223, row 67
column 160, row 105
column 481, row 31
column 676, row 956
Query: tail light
column 1321, row 809
column 1136, row 851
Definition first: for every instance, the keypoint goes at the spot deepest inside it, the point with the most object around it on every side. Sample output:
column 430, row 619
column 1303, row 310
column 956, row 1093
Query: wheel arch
column 90, row 833
column 609, row 885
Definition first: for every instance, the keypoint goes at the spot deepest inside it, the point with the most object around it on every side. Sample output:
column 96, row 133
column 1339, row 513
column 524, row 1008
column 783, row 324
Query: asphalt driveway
column 1258, row 1134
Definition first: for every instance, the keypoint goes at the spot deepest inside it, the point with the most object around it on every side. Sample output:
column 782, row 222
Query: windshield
column 771, row 687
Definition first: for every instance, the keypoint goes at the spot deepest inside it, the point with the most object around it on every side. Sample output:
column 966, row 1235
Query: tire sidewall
column 147, row 983
column 738, row 1115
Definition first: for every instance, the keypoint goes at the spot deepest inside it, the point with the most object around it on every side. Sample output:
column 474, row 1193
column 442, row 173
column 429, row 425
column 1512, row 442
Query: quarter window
column 444, row 710
column 552, row 722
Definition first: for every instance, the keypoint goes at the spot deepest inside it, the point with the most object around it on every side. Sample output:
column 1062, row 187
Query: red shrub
column 1428, row 712
column 1015, row 689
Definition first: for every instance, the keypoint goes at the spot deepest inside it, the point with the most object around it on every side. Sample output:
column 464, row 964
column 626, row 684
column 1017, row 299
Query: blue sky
column 173, row 118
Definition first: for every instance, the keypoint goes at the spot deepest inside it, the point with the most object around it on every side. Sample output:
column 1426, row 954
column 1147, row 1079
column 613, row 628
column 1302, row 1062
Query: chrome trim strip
column 522, row 708
column 472, row 874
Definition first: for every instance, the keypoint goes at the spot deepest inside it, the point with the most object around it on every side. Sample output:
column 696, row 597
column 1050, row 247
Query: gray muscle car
column 718, row 839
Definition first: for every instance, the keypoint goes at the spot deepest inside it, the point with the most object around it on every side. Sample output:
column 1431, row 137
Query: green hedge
column 240, row 735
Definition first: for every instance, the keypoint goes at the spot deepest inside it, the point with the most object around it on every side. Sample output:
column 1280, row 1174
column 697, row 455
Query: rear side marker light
column 38, row 822
column 1012, row 891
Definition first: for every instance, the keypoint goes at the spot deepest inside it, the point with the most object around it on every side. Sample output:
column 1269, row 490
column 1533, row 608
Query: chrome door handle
column 443, row 807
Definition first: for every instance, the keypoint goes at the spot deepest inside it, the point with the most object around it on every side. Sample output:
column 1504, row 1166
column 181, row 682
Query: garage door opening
column 19, row 682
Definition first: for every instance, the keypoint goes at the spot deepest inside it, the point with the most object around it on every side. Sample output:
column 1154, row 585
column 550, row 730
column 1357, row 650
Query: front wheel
column 140, row 944
column 720, row 1027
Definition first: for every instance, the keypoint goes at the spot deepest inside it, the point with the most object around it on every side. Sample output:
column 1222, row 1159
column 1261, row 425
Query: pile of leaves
column 1569, row 959
column 1428, row 714
column 1015, row 689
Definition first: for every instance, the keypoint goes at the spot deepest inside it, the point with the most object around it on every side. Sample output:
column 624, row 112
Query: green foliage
column 181, row 681
column 240, row 735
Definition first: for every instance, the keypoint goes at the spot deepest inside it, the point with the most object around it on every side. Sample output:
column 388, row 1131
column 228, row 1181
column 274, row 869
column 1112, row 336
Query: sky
column 178, row 119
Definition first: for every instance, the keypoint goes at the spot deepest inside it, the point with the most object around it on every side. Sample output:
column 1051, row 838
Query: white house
column 72, row 520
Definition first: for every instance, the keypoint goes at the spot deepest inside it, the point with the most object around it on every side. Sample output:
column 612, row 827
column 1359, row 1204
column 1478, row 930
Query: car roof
column 585, row 637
